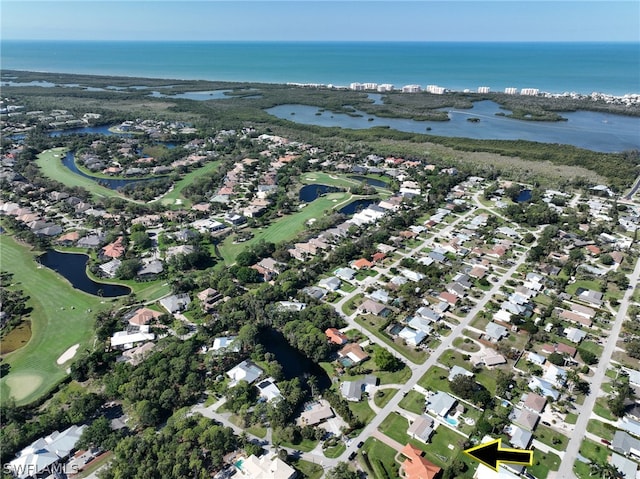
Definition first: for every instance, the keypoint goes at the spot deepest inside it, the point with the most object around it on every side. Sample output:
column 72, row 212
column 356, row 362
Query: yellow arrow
column 491, row 454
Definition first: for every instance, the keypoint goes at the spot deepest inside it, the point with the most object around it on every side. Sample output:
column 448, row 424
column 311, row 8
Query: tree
column 587, row 356
column 386, row 361
column 341, row 471
column 556, row 358
column 633, row 349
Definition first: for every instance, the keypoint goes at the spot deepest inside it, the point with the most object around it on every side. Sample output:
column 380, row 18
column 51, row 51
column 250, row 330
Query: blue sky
column 322, row 20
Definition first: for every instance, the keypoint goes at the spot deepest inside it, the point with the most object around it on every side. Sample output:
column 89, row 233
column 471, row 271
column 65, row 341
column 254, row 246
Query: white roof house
column 126, row 339
column 44, row 452
column 457, row 371
column 574, row 335
column 268, row 390
column 267, row 466
column 440, row 403
column 245, row 371
column 226, row 343
column 420, row 324
column 412, row 336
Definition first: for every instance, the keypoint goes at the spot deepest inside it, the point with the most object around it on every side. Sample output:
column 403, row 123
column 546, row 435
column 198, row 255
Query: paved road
column 571, row 453
column 417, row 371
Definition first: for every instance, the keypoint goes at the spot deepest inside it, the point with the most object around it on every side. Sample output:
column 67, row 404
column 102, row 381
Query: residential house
column 110, row 267
column 225, row 344
column 115, row 249
column 336, row 336
column 627, row 467
column 245, row 371
column 372, row 307
column 150, row 269
column 626, row 444
column 126, row 339
column 354, row 352
column 412, row 336
column 494, row 332
column 362, row 263
column 176, row 302
column 267, row 466
column 144, row 316
column 440, row 403
column 43, row 453
column 209, row 297
column 316, row 413
column 545, row 387
column 458, row 371
column 519, row 437
column 422, row 428
column 352, row 390
column 574, row 335
column 527, row 419
column 591, row 297
column 415, row 466
column 534, row 402
column 345, row 274
column 330, row 284
column 268, row 390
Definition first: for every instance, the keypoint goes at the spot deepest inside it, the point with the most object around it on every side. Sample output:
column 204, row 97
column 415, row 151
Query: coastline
column 456, row 66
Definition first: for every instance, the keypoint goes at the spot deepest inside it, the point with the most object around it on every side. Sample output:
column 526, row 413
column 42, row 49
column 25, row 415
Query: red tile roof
column 416, row 466
column 336, row 336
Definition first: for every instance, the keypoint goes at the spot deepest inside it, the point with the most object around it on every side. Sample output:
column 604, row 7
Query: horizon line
column 308, row 41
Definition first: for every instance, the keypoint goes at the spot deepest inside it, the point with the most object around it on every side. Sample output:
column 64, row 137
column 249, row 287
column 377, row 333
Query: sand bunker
column 68, row 354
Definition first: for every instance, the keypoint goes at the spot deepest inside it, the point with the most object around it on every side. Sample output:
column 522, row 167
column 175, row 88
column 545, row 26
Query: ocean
column 612, row 68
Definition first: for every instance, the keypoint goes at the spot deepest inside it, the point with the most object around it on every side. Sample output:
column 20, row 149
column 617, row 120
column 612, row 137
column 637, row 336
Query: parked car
column 604, row 441
column 360, row 444
column 352, row 456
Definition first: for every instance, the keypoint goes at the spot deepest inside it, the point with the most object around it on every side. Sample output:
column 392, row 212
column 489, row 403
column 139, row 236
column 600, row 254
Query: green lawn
column 444, row 446
column 286, row 228
column 351, row 305
column 571, row 418
column 176, row 193
column 383, row 396
column 417, row 357
column 602, row 410
column 432, row 380
column 362, row 410
column 309, row 470
column 50, row 162
column 602, row 429
column 543, row 463
column 55, row 325
column 594, row 451
column 413, row 402
column 380, row 456
column 586, row 284
column 395, row 426
column 335, row 451
column 548, row 436
column 340, row 181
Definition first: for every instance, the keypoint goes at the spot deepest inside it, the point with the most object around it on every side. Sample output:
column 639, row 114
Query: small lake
column 370, row 181
column 96, row 130
column 73, row 266
column 595, row 131
column 111, row 183
column 294, row 364
column 355, row 206
column 524, row 195
column 308, row 193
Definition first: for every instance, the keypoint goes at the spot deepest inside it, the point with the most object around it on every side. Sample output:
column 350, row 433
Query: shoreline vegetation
column 532, row 159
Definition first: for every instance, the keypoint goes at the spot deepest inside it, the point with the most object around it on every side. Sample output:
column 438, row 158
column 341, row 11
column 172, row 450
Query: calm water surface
column 73, row 267
column 585, row 129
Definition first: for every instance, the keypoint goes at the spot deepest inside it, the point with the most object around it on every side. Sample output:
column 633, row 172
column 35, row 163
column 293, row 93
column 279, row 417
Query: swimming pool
column 238, row 464
column 451, row 420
